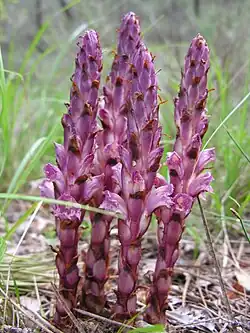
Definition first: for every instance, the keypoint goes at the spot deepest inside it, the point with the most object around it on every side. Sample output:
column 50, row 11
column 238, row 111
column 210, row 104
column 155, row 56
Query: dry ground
column 196, row 303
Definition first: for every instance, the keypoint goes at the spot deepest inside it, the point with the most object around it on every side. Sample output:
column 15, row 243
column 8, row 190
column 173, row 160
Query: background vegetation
column 38, row 45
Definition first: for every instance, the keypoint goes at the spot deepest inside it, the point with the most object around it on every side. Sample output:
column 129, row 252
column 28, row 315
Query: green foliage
column 25, row 270
column 149, row 329
column 54, row 201
column 242, row 224
column 230, row 138
column 2, row 248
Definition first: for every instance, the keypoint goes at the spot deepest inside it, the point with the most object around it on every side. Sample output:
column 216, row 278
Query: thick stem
column 130, row 257
column 168, row 254
column 97, row 257
column 96, row 264
column 66, row 263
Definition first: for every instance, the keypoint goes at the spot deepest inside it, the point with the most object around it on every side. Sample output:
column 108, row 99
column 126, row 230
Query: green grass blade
column 154, row 329
column 242, row 223
column 11, row 196
column 237, row 144
column 20, row 170
column 3, row 248
column 33, row 45
column 17, row 291
column 69, row 5
column 226, row 119
column 2, row 76
column 8, row 91
column 42, row 146
column 13, row 73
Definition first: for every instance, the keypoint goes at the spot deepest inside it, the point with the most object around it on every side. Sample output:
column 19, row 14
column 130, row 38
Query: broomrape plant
column 71, row 179
column 110, row 158
column 112, row 110
column 186, row 164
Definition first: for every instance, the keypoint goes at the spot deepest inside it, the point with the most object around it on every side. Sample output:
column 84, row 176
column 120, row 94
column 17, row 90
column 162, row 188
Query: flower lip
column 67, row 213
column 114, row 203
column 200, row 184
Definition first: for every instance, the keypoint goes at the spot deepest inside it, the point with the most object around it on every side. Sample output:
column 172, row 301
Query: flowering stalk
column 112, row 110
column 69, row 180
column 140, row 157
column 186, row 164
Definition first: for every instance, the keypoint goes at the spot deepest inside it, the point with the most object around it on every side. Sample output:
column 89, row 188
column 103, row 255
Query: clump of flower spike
column 186, row 165
column 140, row 158
column 115, row 168
column 70, row 180
column 111, row 112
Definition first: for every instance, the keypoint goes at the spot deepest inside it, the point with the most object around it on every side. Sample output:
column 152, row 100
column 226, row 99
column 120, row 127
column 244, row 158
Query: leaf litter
column 195, row 302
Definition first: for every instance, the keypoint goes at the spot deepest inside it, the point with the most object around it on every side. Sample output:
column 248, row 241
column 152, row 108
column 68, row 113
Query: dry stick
column 223, row 220
column 202, row 296
column 185, row 289
column 38, row 296
column 109, row 321
column 74, row 320
column 213, row 255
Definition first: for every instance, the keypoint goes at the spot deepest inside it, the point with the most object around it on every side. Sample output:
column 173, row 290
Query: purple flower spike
column 112, row 110
column 109, row 159
column 140, row 157
column 129, row 34
column 190, row 111
column 69, row 180
column 113, row 107
column 186, row 164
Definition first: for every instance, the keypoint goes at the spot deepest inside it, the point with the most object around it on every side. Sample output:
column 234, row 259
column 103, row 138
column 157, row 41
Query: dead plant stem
column 213, row 255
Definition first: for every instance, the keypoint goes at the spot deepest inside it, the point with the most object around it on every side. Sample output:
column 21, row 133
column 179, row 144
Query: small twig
column 223, row 220
column 240, row 250
column 237, row 144
column 37, row 293
column 110, row 321
column 53, row 328
column 213, row 255
column 185, row 289
column 74, row 320
column 202, row 296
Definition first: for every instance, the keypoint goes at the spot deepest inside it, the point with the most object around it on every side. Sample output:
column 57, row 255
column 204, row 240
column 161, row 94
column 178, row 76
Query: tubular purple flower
column 186, row 164
column 69, row 180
